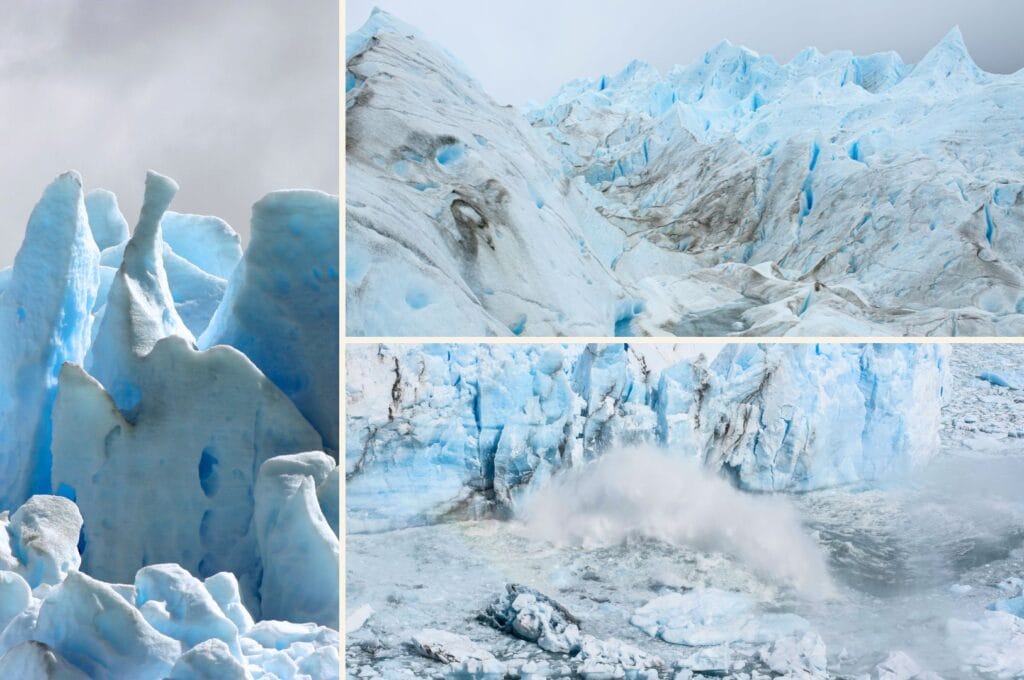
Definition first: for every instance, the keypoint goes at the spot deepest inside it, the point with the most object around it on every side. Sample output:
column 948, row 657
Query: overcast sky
column 525, row 49
column 232, row 98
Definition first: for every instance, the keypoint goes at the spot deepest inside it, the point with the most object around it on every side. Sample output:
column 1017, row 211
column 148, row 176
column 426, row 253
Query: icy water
column 900, row 561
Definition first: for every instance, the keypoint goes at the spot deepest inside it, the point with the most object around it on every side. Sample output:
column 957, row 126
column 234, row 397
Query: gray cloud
column 231, row 98
column 526, row 49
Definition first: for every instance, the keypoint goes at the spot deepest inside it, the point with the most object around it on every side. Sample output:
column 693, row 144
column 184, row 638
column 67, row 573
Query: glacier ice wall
column 154, row 447
column 832, row 195
column 436, row 430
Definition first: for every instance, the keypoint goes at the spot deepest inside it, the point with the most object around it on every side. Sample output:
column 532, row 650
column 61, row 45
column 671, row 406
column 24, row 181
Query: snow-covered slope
column 462, row 430
column 832, row 195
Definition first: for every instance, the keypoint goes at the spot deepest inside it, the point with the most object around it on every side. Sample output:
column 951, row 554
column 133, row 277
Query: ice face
column 45, row 320
column 202, row 425
column 156, row 466
column 281, row 306
column 474, row 429
column 734, row 195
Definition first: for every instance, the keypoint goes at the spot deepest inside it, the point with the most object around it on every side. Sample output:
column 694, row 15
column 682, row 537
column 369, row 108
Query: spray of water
column 646, row 493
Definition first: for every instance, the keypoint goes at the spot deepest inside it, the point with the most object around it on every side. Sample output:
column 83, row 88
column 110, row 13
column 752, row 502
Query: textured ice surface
column 281, row 306
column 926, row 567
column 464, row 429
column 832, row 195
column 44, row 321
column 152, row 559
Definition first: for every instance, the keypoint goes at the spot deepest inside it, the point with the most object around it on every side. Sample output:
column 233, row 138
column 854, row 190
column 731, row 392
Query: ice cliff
column 435, row 431
column 165, row 484
column 832, row 195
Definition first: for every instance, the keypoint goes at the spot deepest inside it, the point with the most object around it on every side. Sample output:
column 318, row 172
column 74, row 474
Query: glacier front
column 834, row 195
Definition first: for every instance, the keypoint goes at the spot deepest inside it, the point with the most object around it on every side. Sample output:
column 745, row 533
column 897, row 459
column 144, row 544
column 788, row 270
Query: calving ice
column 832, row 195
column 820, row 510
column 163, row 467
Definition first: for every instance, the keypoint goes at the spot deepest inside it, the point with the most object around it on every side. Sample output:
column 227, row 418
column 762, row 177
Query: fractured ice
column 169, row 505
column 832, row 195
column 439, row 429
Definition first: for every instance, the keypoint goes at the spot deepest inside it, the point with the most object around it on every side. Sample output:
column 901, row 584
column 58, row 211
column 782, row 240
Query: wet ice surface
column 905, row 560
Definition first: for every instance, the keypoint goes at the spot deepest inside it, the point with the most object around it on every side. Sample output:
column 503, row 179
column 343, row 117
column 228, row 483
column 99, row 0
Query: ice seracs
column 472, row 430
column 128, row 538
column 45, row 320
column 835, row 194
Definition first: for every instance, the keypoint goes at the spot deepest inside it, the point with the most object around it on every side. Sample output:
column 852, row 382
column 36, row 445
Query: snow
column 834, row 195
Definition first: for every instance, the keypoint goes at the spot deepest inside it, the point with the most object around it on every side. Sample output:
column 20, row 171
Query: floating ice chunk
column 1012, row 605
column 613, row 658
column 901, row 666
column 34, row 660
column 183, row 467
column 289, row 522
column 207, row 242
column 209, row 660
column 535, row 617
column 140, row 308
column 992, row 645
column 994, row 379
column 448, row 647
column 355, row 619
column 45, row 320
column 799, row 658
column 108, row 224
column 281, row 305
column 708, row 616
column 44, row 537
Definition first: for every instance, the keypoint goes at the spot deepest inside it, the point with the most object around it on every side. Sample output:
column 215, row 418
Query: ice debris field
column 168, row 441
column 667, row 511
column 834, row 195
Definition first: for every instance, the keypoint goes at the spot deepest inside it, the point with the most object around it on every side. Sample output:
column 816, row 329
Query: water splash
column 644, row 493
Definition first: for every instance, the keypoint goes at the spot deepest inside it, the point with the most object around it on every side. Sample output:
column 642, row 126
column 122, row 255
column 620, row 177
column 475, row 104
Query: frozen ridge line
column 832, row 195
column 169, row 489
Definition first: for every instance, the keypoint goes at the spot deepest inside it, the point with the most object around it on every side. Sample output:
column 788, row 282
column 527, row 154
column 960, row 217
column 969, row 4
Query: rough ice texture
column 140, row 308
column 40, row 540
column 467, row 429
column 281, row 306
column 707, row 616
column 167, row 624
column 187, row 454
column 289, row 521
column 159, row 467
column 44, row 321
column 832, row 195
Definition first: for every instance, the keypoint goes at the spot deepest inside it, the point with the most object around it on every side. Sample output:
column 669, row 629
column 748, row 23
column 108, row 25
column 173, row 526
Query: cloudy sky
column 525, row 49
column 232, row 98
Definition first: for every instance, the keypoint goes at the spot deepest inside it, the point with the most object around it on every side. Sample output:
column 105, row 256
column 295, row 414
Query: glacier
column 169, row 436
column 833, row 195
column 654, row 510
column 434, row 431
